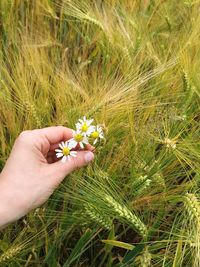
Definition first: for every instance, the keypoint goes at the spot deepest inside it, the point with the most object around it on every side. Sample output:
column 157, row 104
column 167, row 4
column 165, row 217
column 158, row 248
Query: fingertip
column 82, row 159
column 89, row 156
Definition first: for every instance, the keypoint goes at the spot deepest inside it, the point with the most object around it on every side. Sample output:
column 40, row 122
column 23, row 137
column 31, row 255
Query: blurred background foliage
column 133, row 66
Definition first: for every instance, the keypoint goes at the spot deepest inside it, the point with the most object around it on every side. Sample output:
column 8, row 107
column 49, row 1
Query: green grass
column 133, row 66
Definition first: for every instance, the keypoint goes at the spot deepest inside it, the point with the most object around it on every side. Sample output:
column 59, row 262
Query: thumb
column 59, row 169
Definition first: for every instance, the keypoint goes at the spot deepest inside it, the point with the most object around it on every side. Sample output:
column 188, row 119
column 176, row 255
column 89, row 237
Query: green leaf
column 80, row 247
column 118, row 244
column 132, row 254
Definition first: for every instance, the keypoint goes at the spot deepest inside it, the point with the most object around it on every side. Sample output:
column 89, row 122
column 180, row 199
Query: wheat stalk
column 98, row 217
column 192, row 207
column 10, row 253
column 140, row 185
column 145, row 258
column 126, row 214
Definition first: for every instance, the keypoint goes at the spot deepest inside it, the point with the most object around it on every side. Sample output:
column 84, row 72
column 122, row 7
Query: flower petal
column 85, row 134
column 72, row 144
column 99, row 128
column 91, row 128
column 80, row 122
column 73, row 154
column 66, row 143
column 60, row 145
column 58, row 150
column 85, row 140
column 81, row 145
column 90, row 121
column 95, row 141
column 59, row 155
column 64, row 159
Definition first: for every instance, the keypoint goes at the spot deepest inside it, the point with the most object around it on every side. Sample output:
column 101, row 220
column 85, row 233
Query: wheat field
column 133, row 66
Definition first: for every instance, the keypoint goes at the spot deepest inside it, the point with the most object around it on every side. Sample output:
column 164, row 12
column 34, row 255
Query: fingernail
column 89, row 156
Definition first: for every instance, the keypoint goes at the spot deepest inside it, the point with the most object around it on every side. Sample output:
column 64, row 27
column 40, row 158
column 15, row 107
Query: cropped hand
column 32, row 171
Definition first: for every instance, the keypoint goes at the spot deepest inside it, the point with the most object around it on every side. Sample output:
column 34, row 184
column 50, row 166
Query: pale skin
column 32, row 172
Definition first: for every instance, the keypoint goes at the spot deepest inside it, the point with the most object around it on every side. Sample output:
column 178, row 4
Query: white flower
column 97, row 134
column 84, row 126
column 65, row 151
column 78, row 138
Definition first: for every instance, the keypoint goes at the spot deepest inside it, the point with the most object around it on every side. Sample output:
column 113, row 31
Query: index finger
column 56, row 134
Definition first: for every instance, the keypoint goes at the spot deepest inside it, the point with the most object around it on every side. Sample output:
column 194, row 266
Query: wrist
column 9, row 204
column 5, row 212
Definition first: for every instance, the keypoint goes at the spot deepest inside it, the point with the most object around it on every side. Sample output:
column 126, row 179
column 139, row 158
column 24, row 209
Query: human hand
column 32, row 171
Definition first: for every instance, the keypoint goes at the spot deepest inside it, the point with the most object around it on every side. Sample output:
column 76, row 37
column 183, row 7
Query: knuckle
column 60, row 127
column 75, row 163
column 23, row 136
column 63, row 128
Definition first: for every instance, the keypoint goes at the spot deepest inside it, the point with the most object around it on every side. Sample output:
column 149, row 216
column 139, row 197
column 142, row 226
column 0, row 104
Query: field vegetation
column 133, row 66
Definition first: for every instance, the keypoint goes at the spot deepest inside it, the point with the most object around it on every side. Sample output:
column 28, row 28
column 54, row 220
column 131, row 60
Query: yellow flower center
column 78, row 137
column 66, row 151
column 84, row 127
column 95, row 134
